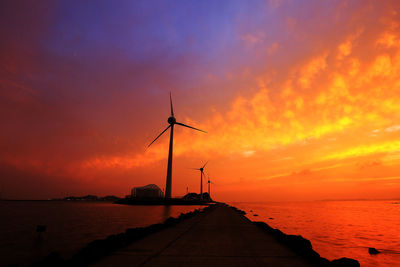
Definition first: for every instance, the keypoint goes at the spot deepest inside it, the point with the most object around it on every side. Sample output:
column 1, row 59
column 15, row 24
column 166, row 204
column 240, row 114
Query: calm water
column 338, row 228
column 70, row 225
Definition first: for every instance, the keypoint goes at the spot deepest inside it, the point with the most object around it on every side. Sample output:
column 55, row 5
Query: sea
column 335, row 228
column 70, row 225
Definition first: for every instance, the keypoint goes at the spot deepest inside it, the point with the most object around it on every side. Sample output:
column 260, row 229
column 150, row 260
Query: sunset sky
column 300, row 99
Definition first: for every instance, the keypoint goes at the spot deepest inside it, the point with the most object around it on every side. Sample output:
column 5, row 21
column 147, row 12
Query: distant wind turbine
column 172, row 121
column 201, row 169
column 209, row 182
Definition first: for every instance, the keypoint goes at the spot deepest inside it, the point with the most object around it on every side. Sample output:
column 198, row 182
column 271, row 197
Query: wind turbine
column 209, row 182
column 172, row 121
column 201, row 169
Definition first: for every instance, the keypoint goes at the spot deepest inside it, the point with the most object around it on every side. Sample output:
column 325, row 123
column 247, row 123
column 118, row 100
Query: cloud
column 365, row 150
column 252, row 39
column 369, row 164
column 275, row 3
column 273, row 48
column 319, row 98
column 312, row 68
column 82, row 96
column 393, row 128
column 248, row 153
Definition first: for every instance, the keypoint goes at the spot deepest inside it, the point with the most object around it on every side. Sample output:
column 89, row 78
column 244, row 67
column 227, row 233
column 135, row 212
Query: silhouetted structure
column 147, row 191
column 172, row 121
column 209, row 183
column 201, row 169
column 87, row 198
column 197, row 197
column 41, row 228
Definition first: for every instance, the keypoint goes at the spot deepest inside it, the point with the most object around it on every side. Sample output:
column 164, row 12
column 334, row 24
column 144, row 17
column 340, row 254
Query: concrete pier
column 219, row 237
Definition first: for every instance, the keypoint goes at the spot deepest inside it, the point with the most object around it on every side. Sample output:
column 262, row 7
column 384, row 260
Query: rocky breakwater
column 100, row 248
column 302, row 246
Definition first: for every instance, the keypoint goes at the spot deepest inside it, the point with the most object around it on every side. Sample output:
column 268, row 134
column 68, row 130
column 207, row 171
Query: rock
column 238, row 210
column 373, row 251
column 297, row 242
column 344, row 262
column 53, row 259
column 170, row 221
column 41, row 228
column 264, row 226
column 303, row 247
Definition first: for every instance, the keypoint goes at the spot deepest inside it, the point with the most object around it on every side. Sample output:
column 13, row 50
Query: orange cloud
column 296, row 106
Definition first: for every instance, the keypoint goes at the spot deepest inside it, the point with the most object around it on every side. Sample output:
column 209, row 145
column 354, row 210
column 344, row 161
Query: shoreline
column 163, row 202
column 300, row 245
column 99, row 249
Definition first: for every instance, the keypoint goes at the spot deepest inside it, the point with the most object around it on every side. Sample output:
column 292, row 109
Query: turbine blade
column 159, row 135
column 205, row 164
column 181, row 124
column 170, row 101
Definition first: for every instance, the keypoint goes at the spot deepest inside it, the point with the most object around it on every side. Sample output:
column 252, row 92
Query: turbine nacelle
column 171, row 120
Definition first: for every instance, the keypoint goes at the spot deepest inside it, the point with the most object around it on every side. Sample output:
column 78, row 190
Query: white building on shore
column 147, row 191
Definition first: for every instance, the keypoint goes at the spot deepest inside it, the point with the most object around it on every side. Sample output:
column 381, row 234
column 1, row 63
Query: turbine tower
column 201, row 169
column 209, row 182
column 172, row 121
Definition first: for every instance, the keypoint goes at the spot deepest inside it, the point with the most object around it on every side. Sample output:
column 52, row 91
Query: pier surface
column 218, row 237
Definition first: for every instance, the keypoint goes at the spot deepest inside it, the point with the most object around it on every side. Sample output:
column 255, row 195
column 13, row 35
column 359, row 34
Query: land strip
column 218, row 235
column 221, row 236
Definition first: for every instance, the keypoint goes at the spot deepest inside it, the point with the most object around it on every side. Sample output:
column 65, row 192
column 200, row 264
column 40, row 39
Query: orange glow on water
column 337, row 228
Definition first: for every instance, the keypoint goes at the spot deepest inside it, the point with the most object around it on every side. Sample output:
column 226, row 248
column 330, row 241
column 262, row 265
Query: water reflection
column 70, row 225
column 166, row 212
column 338, row 228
